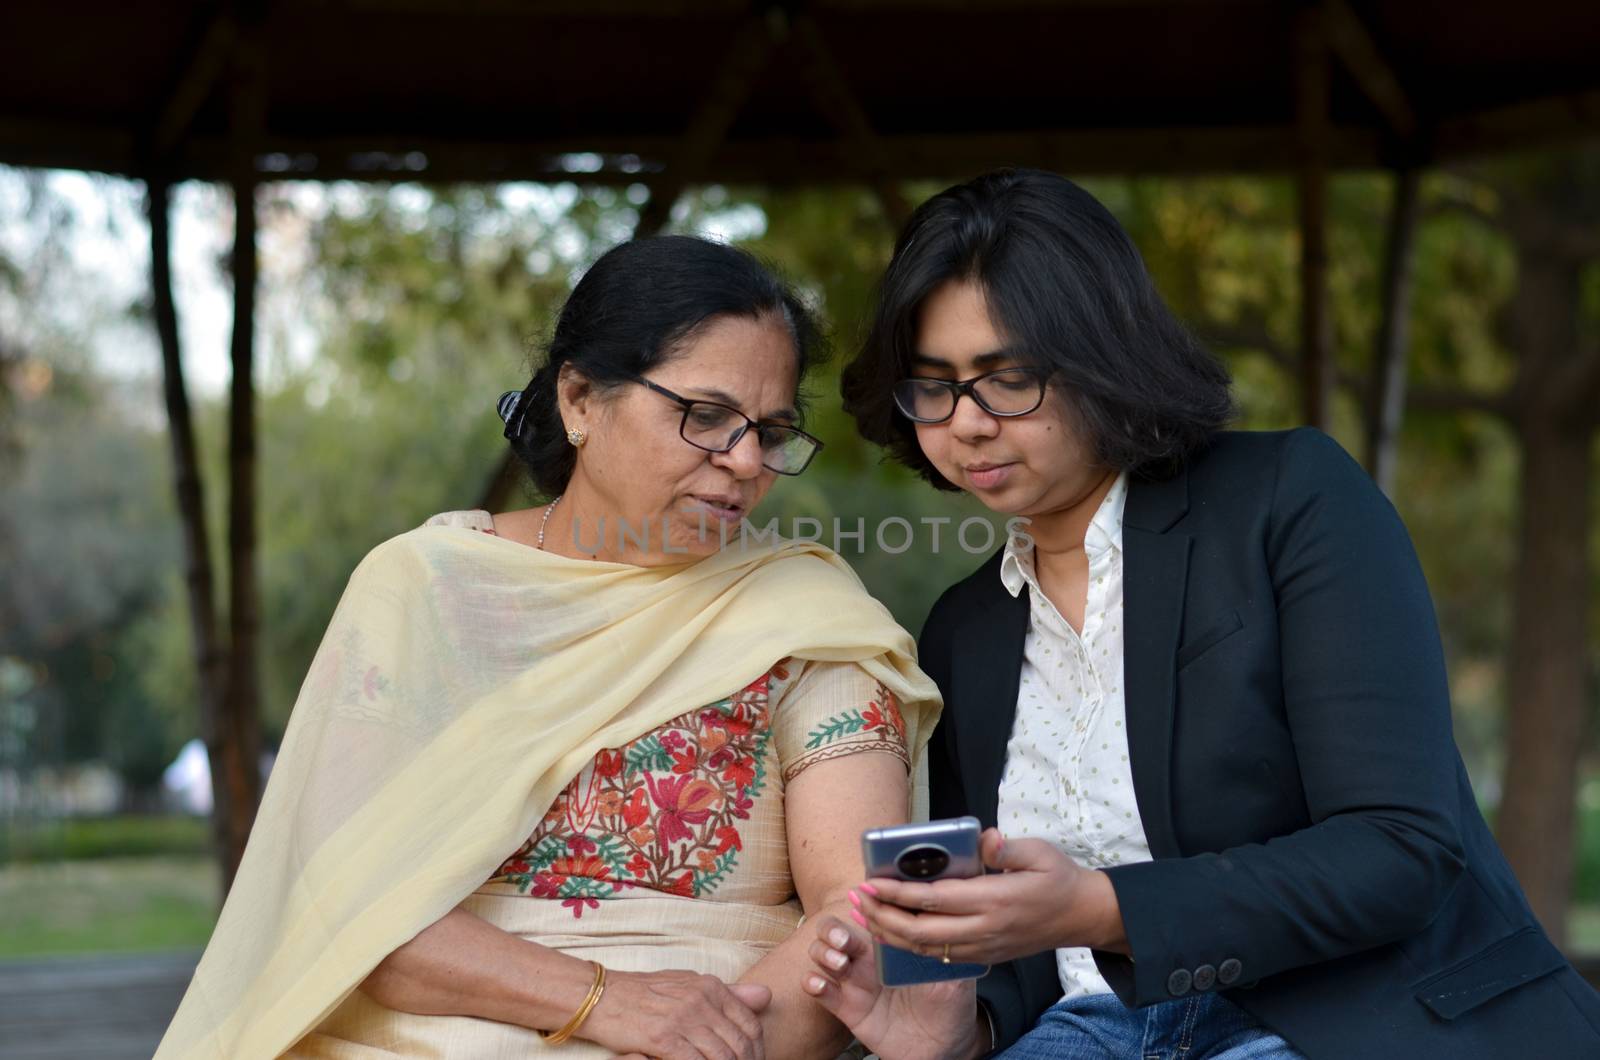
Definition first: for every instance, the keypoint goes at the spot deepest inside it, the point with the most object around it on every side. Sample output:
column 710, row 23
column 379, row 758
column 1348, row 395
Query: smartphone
column 922, row 853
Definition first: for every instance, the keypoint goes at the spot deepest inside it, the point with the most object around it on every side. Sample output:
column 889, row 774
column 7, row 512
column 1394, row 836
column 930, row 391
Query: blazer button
column 1178, row 982
column 1230, row 970
column 1205, row 977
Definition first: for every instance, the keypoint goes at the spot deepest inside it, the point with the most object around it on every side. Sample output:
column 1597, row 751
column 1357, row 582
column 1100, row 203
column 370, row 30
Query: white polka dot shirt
column 1067, row 777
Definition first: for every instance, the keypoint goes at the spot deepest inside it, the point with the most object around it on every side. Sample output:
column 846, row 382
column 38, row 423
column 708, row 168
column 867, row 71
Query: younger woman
column 1203, row 702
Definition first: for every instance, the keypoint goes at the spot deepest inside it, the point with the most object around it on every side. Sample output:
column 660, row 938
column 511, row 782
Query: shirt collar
column 1104, row 534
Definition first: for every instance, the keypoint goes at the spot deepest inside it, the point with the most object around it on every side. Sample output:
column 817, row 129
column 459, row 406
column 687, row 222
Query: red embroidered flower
column 740, row 721
column 683, row 885
column 577, row 904
column 895, row 717
column 673, row 740
column 545, row 885
column 728, row 839
column 685, row 761
column 683, row 801
column 608, row 763
column 885, row 716
column 514, row 867
column 581, row 844
column 637, row 809
column 638, row 865
column 741, row 772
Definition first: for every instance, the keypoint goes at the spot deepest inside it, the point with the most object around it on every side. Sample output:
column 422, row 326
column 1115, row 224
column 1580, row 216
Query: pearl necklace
column 543, row 522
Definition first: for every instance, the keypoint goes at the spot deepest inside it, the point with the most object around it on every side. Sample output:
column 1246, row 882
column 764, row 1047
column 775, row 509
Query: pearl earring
column 576, row 437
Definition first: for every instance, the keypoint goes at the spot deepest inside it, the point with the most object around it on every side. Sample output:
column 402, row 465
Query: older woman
column 573, row 774
column 1203, row 698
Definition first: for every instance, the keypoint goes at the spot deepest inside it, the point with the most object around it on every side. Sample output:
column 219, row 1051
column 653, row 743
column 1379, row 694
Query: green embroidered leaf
column 759, row 753
column 648, row 754
column 836, row 728
column 612, row 851
column 704, row 882
column 584, row 887
column 545, row 851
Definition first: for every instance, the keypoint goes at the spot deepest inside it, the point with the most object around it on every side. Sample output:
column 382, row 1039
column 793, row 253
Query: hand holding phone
column 923, row 853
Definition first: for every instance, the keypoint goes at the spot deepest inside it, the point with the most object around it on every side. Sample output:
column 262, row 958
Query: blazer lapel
column 1155, row 577
column 984, row 687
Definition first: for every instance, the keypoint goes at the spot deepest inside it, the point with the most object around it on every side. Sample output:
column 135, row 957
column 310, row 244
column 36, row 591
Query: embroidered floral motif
column 881, row 715
column 879, row 726
column 661, row 812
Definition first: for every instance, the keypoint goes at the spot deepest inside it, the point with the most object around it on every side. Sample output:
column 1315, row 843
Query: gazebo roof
column 822, row 91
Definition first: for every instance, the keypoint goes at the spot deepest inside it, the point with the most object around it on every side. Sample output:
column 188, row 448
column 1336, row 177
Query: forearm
column 464, row 966
column 794, row 1025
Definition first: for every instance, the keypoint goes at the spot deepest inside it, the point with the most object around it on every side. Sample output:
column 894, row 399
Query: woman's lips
column 717, row 508
column 988, row 476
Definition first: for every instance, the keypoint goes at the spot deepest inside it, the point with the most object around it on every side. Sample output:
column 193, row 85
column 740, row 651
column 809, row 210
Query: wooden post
column 242, row 707
column 210, row 661
column 1556, row 414
column 1312, row 122
column 1388, row 396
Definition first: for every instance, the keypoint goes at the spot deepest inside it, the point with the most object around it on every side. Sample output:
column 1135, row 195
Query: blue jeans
column 1099, row 1027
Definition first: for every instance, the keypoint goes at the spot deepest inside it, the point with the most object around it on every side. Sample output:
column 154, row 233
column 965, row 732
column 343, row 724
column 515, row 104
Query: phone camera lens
column 924, row 862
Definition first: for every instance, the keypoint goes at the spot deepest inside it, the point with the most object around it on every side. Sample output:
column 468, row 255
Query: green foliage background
column 422, row 305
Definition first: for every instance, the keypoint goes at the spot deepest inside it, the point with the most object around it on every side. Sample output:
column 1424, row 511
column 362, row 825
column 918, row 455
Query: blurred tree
column 1505, row 400
column 425, row 305
column 1547, row 208
column 83, row 562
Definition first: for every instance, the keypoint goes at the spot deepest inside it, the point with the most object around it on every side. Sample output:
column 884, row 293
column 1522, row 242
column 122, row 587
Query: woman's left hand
column 1035, row 899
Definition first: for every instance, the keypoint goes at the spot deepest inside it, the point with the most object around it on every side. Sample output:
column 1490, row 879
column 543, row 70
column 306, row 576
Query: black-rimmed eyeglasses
column 1006, row 392
column 717, row 428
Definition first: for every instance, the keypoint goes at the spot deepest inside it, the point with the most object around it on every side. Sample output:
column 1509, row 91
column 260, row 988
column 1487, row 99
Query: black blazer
column 1318, row 855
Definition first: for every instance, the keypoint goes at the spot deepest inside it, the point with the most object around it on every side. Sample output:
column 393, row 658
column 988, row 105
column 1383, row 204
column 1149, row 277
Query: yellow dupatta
column 462, row 682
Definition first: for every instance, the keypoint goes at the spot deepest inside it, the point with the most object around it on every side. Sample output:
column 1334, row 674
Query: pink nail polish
column 870, row 889
column 855, row 899
column 855, row 914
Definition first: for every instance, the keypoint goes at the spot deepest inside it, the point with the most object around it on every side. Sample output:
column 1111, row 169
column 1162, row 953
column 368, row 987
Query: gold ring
column 946, row 958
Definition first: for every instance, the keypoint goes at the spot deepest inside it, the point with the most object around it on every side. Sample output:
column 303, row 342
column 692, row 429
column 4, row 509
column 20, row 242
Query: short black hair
column 636, row 307
column 1068, row 289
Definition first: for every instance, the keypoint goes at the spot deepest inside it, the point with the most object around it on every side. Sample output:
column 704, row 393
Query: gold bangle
column 598, row 988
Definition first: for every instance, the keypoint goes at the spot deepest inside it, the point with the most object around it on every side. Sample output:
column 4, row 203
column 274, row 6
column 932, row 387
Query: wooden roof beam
column 198, row 75
column 747, row 57
column 1519, row 126
column 842, row 107
column 1359, row 53
column 779, row 161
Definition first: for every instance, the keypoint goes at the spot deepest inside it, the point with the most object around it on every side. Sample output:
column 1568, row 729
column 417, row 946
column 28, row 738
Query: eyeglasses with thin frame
column 1003, row 392
column 717, row 428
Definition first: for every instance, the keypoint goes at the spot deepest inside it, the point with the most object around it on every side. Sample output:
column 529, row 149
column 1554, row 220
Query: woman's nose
column 970, row 422
column 744, row 459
